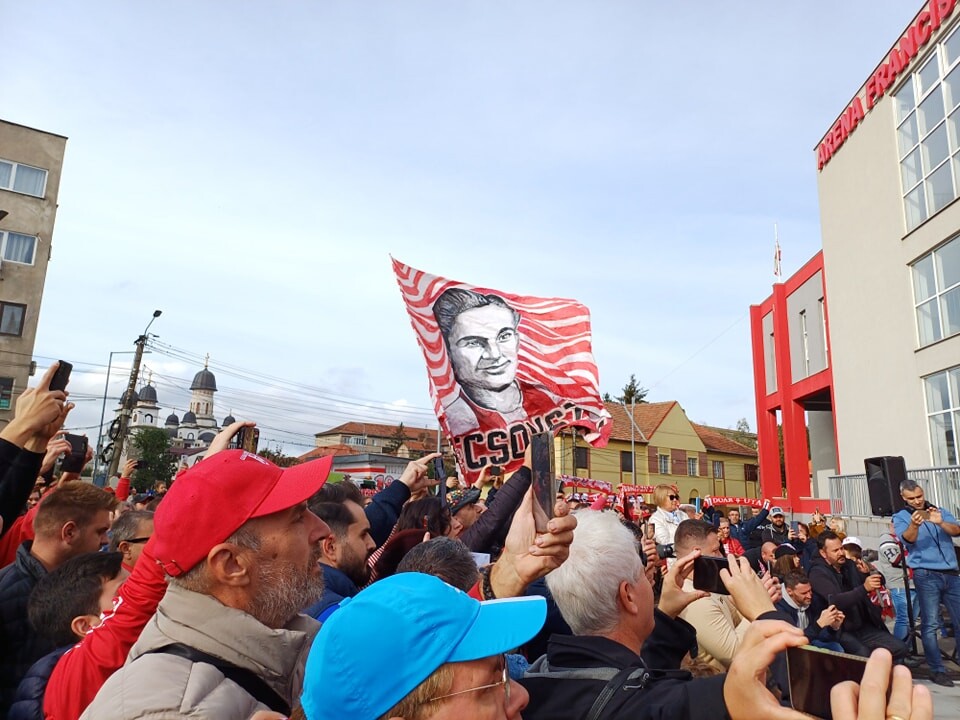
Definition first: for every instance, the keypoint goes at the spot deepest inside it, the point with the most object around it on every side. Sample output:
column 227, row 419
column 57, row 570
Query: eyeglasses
column 504, row 680
column 137, row 540
column 673, row 497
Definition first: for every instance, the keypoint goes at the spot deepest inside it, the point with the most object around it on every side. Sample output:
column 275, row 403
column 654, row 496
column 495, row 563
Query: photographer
column 927, row 532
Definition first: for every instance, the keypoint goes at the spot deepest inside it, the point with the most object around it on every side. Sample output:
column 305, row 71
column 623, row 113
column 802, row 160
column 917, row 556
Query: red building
column 793, row 384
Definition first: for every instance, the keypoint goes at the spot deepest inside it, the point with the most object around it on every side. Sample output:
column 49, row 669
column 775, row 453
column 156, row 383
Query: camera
column 665, row 551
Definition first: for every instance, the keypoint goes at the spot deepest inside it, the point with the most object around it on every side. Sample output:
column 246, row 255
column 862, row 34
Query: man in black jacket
column 620, row 640
column 748, row 532
column 71, row 520
column 838, row 582
column 821, row 624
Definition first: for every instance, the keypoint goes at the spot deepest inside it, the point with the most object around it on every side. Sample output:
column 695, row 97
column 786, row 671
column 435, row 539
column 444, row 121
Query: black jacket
column 21, row 645
column 561, row 686
column 28, row 703
column 812, row 631
column 384, row 510
column 845, row 590
column 18, row 474
column 491, row 527
column 748, row 532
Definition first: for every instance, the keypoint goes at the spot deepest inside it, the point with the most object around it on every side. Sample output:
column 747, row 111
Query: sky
column 248, row 168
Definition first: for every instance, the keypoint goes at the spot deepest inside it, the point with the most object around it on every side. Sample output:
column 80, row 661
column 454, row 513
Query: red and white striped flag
column 503, row 367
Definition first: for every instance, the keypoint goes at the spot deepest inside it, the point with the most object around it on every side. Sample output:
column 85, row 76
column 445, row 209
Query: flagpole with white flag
column 776, row 253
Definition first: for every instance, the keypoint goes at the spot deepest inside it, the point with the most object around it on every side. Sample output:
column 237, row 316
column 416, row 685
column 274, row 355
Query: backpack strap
column 611, row 688
column 254, row 685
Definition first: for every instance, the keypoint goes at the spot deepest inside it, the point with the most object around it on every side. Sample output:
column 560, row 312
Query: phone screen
column 812, row 671
column 544, row 479
column 795, row 526
column 706, row 574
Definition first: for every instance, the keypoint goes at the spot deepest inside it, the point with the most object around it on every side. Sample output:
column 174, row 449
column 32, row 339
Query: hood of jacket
column 202, row 622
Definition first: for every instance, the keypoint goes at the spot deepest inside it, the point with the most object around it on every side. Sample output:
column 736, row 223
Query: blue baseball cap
column 381, row 644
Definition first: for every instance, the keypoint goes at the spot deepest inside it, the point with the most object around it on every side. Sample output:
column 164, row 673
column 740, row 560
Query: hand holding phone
column 61, row 377
column 812, row 674
column 706, row 574
column 74, row 461
column 544, row 479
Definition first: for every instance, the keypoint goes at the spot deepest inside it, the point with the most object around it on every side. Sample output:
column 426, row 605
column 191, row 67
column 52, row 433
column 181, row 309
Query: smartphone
column 649, row 530
column 62, row 376
column 812, row 671
column 248, row 438
column 795, row 526
column 77, row 457
column 139, row 464
column 706, row 574
column 544, row 478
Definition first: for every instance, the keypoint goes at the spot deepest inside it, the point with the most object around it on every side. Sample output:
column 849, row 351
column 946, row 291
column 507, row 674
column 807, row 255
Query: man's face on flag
column 483, row 344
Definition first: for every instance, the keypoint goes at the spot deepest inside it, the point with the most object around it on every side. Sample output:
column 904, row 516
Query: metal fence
column 849, row 496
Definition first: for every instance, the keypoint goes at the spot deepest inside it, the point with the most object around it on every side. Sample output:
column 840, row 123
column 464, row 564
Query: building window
column 928, row 133
column 692, row 467
column 11, row 318
column 22, row 178
column 718, row 469
column 626, row 461
column 357, row 440
column 943, row 414
column 17, row 247
column 581, row 458
column 823, row 330
column 663, row 464
column 750, row 473
column 805, row 343
column 6, row 393
column 936, row 293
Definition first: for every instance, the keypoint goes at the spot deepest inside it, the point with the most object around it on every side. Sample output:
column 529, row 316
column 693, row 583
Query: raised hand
column 673, row 598
column 868, row 700
column 750, row 595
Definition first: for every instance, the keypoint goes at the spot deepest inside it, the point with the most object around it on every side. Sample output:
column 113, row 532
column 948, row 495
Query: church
column 190, row 435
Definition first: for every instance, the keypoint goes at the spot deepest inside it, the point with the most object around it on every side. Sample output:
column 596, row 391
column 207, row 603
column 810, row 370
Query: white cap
column 852, row 540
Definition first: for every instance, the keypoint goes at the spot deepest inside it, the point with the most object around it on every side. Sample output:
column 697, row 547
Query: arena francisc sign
column 903, row 53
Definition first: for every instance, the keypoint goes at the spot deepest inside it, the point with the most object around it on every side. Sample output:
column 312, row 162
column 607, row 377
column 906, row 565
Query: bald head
column 768, row 552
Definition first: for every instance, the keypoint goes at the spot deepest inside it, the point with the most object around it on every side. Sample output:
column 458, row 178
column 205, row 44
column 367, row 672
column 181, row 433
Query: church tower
column 202, row 388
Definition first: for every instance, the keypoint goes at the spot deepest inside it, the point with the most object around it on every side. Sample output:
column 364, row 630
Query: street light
column 103, row 409
column 128, row 397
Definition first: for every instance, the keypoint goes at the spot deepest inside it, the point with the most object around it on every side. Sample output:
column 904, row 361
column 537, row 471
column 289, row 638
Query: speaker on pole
column 884, row 475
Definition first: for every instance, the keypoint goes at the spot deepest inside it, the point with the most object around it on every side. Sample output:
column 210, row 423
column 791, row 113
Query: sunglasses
column 504, row 680
column 137, row 540
column 673, row 497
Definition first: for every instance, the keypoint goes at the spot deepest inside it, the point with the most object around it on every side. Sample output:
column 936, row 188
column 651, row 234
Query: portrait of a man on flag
column 503, row 367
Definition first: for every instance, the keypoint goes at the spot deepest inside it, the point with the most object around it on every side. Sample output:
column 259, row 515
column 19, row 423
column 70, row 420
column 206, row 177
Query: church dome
column 125, row 396
column 172, row 419
column 148, row 394
column 204, row 380
column 189, row 418
column 229, row 420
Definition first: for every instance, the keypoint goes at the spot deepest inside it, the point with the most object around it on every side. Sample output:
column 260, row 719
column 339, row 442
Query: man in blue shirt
column 928, row 532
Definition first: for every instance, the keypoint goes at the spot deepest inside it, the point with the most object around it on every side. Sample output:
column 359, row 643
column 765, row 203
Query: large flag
column 503, row 367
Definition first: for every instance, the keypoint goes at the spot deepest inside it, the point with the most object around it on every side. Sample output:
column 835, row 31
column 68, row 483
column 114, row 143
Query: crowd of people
column 247, row 590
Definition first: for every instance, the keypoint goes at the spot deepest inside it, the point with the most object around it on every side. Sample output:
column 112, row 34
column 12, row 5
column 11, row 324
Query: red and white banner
column 571, row 481
column 746, row 502
column 503, row 367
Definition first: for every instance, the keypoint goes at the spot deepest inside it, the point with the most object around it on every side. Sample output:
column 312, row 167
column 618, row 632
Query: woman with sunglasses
column 668, row 515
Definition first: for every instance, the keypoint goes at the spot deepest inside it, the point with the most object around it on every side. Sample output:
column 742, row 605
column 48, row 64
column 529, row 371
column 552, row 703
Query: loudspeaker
column 884, row 475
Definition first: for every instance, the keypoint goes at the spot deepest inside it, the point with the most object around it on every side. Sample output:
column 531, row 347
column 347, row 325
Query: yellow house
column 661, row 445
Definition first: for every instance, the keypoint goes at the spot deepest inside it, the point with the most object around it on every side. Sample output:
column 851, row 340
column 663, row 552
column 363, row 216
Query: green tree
column 633, row 392
column 744, row 435
column 277, row 457
column 398, row 438
column 156, row 463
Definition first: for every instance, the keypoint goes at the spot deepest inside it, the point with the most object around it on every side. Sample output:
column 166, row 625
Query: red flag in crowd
column 503, row 367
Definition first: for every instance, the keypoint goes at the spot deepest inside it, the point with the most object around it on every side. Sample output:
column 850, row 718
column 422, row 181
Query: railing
column 849, row 496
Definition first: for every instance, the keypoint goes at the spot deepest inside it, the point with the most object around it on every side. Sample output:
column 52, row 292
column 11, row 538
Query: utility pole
column 127, row 399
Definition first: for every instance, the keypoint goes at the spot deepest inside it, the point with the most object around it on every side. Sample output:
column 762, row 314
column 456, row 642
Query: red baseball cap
column 210, row 501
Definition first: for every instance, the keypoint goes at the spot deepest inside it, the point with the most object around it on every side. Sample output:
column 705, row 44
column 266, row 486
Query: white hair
column 586, row 587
